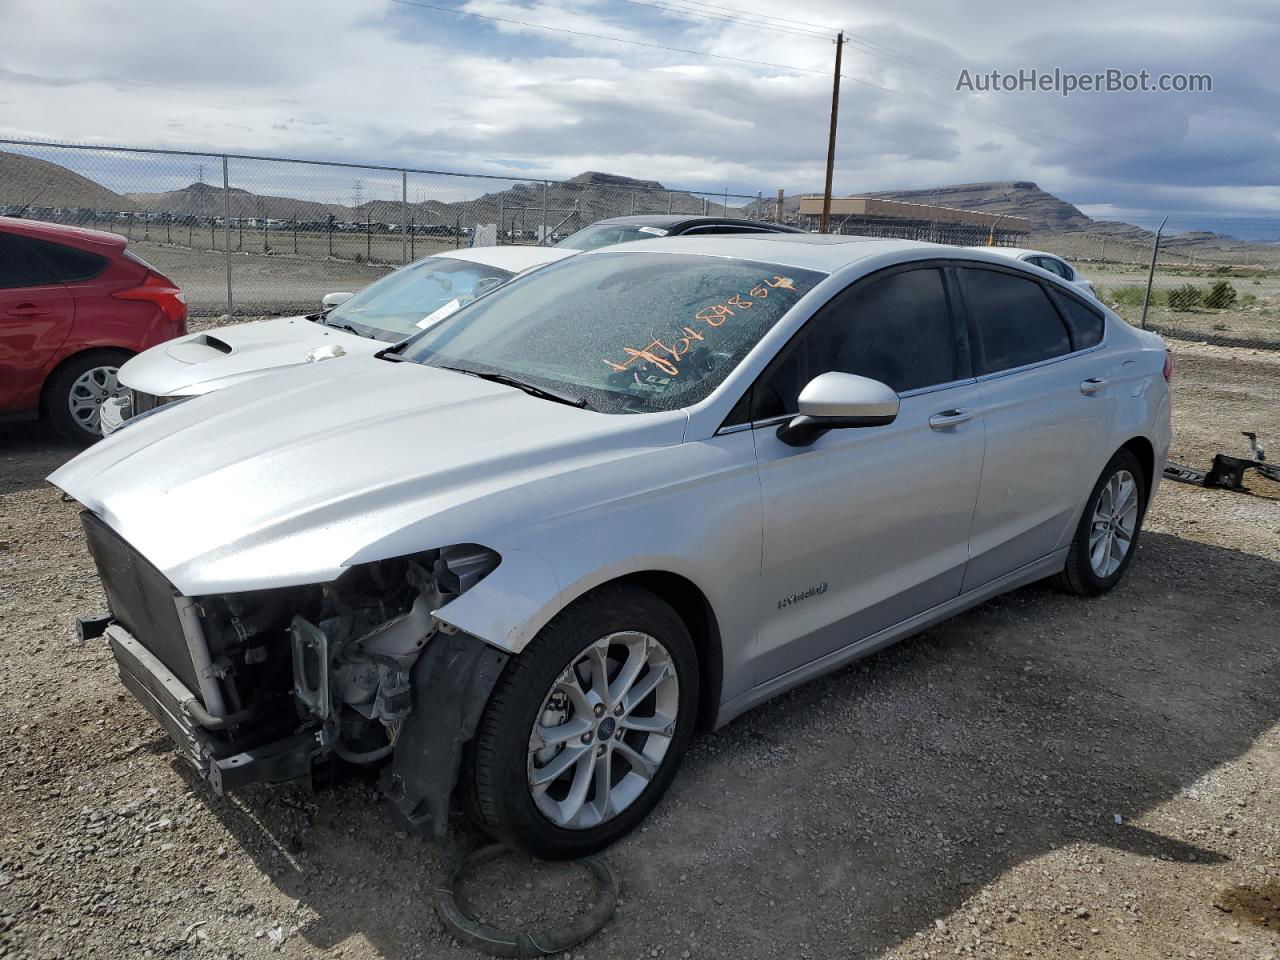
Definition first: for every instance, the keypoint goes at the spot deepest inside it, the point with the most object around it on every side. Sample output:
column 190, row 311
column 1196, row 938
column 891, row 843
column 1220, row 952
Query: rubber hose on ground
column 499, row 943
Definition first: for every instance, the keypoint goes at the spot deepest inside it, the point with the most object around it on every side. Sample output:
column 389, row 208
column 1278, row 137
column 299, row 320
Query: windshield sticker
column 437, row 315
column 656, row 231
column 667, row 356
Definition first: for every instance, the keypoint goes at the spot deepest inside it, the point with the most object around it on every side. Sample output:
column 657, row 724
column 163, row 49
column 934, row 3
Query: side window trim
column 963, row 362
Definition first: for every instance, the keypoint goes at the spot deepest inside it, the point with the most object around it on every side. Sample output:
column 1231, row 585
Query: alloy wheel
column 603, row 730
column 1115, row 520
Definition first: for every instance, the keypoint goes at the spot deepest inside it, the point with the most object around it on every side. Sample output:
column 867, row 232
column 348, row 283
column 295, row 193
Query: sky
column 386, row 82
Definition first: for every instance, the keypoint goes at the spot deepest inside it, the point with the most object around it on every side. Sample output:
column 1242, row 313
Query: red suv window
column 69, row 263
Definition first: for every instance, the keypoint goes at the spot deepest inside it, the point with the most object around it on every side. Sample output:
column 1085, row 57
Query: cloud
column 392, row 83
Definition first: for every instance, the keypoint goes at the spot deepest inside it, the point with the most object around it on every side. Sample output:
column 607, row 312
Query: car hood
column 289, row 479
column 201, row 362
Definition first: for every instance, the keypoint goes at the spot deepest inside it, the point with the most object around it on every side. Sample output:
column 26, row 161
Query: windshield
column 412, row 298
column 606, row 234
column 624, row 332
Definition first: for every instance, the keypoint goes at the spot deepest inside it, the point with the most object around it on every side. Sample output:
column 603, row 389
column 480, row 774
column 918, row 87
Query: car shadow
column 871, row 804
column 29, row 452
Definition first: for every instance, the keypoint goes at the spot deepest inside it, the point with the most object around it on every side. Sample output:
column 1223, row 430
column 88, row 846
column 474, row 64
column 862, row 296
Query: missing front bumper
column 225, row 765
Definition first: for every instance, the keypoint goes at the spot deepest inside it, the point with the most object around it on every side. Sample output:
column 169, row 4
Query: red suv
column 74, row 306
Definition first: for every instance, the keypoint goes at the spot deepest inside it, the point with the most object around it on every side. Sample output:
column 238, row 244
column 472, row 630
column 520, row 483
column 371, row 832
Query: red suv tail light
column 1168, row 367
column 164, row 293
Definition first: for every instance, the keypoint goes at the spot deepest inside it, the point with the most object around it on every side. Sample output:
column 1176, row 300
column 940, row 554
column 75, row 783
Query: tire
column 1084, row 574
column 539, row 685
column 78, row 388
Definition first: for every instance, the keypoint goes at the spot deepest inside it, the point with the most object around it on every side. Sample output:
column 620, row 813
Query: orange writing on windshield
column 666, row 356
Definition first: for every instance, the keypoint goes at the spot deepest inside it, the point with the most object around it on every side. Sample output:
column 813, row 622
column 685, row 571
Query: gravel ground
column 1043, row 776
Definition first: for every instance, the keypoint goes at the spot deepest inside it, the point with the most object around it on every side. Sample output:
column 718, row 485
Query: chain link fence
column 1209, row 290
column 252, row 236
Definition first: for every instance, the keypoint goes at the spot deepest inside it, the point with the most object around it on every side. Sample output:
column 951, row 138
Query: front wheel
column 1107, row 535
column 584, row 731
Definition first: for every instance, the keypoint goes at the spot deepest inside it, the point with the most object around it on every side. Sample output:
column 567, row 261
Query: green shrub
column 1221, row 296
column 1126, row 296
column 1184, row 298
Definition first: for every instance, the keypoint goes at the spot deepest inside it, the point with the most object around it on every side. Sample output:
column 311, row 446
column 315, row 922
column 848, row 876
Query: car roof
column 98, row 241
column 516, row 257
column 824, row 252
column 1019, row 252
column 670, row 221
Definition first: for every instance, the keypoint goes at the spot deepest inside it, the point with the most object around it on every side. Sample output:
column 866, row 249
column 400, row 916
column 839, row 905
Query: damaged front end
column 268, row 685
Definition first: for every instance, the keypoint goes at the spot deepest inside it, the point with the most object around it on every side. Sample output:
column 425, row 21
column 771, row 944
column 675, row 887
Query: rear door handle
column 950, row 418
column 1092, row 385
column 27, row 310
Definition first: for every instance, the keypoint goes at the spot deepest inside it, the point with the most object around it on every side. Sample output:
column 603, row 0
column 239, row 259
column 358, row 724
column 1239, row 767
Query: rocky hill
column 1017, row 198
column 28, row 180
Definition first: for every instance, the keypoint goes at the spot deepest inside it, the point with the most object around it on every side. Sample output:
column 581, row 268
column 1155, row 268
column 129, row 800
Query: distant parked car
column 394, row 307
column 603, row 233
column 74, row 306
column 1046, row 261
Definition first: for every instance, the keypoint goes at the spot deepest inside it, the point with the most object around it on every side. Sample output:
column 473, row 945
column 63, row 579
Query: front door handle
column 1092, row 385
column 950, row 418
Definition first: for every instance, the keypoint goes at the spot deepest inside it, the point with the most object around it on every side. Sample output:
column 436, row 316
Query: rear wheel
column 74, row 396
column 1107, row 536
column 584, row 731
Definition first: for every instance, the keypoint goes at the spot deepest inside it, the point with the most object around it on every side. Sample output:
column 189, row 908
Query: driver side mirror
column 331, row 300
column 838, row 401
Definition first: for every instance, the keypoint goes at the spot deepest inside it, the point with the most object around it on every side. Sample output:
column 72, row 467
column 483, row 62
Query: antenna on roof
column 27, row 205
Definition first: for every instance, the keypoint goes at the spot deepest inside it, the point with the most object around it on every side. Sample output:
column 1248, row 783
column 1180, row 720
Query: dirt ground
column 1043, row 776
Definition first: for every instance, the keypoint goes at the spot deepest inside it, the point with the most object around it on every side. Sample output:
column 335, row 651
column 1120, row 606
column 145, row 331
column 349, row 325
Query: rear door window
column 20, row 265
column 1016, row 322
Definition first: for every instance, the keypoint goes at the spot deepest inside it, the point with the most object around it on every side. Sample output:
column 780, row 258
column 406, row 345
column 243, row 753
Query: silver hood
column 201, row 362
column 291, row 478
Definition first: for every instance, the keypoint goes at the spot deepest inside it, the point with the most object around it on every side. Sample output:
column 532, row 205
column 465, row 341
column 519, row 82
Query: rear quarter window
column 1085, row 323
column 68, row 263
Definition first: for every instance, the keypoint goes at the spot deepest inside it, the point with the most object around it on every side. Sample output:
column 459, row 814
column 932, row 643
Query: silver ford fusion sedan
column 520, row 558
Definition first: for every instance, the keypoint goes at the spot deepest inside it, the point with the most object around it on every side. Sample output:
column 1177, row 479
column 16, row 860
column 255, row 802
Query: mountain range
column 570, row 203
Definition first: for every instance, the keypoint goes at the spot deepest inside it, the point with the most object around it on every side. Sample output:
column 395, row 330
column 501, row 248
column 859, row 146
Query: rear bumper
column 176, row 709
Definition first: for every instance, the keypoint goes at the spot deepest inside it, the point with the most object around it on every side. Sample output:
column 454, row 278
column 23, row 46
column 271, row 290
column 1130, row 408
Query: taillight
column 1168, row 367
column 164, row 294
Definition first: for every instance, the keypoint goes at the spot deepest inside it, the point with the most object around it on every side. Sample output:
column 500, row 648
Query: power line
column 599, row 36
column 876, row 49
column 760, row 63
column 673, row 7
column 826, row 28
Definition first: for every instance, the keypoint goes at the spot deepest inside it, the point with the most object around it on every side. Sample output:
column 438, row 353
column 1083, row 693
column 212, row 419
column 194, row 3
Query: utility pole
column 831, row 140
